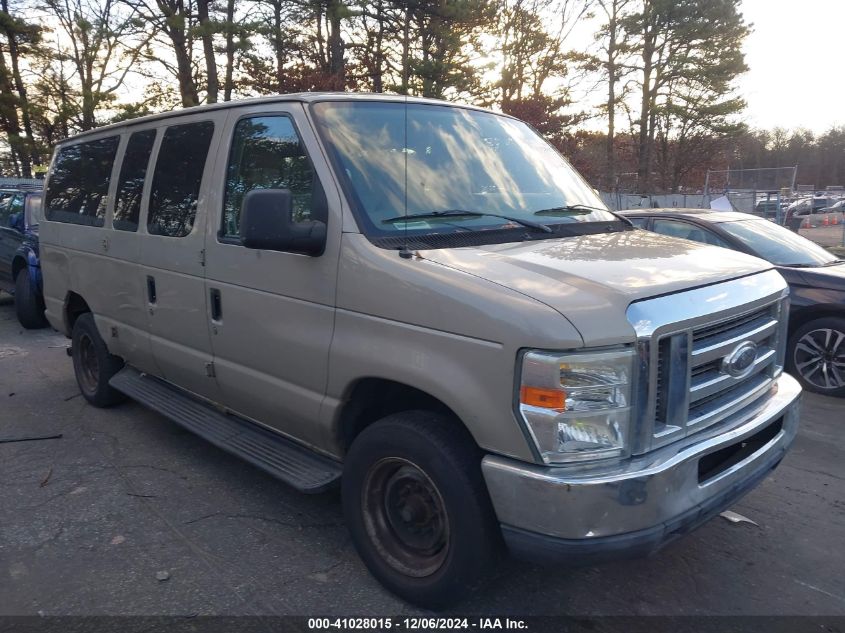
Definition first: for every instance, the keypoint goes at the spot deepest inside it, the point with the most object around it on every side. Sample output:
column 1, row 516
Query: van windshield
column 417, row 159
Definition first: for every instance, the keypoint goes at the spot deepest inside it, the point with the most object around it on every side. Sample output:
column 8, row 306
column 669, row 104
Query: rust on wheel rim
column 405, row 517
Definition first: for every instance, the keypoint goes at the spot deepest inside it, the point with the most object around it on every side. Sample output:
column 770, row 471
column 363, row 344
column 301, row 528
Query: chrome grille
column 688, row 385
column 708, row 393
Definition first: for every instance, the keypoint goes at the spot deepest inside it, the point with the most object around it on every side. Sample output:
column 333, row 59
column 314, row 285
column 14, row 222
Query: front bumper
column 555, row 514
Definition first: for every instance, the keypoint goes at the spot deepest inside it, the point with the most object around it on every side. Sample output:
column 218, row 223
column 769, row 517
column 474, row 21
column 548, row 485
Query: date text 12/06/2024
column 411, row 624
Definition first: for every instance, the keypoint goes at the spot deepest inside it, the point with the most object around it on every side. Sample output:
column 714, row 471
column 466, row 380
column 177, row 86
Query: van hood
column 592, row 279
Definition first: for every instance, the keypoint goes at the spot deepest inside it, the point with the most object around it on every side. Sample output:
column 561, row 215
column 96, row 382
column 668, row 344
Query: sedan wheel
column 818, row 356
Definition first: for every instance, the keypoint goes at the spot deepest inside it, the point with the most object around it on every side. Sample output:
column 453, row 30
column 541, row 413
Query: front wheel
column 92, row 363
column 816, row 356
column 416, row 504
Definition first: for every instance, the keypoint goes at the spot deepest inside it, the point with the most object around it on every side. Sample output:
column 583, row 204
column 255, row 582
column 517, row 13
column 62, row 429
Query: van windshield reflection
column 411, row 160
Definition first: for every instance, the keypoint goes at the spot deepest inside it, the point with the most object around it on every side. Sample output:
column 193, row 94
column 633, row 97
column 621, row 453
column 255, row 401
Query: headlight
column 577, row 406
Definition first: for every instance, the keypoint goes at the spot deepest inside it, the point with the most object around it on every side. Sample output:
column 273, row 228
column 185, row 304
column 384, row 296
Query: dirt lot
column 88, row 520
column 827, row 235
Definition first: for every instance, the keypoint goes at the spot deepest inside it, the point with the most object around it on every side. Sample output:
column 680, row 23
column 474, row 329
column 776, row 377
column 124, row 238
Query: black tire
column 29, row 305
column 430, row 468
column 93, row 365
column 816, row 356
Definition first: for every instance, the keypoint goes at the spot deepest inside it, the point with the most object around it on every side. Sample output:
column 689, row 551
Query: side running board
column 297, row 466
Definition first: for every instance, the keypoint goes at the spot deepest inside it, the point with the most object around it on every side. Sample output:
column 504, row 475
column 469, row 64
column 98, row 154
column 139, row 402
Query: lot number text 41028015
column 412, row 624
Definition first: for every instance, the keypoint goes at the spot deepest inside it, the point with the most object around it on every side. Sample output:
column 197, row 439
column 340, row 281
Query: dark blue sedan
column 20, row 269
column 816, row 349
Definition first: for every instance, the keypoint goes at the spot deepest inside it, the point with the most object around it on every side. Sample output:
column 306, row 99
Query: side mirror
column 266, row 223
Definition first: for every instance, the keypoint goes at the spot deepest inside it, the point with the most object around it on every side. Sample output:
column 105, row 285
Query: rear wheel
column 817, row 355
column 93, row 365
column 416, row 504
column 29, row 305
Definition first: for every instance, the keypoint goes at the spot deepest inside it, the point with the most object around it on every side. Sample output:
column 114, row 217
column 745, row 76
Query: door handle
column 216, row 305
column 151, row 289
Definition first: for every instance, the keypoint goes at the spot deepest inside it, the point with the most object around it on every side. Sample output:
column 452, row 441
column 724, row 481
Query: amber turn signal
column 545, row 398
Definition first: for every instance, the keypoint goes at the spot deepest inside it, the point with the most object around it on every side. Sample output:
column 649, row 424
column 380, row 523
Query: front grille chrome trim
column 719, row 381
column 705, row 353
column 688, row 392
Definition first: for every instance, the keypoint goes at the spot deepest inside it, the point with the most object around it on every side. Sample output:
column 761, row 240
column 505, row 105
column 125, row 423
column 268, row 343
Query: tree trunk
column 337, row 64
column 11, row 122
column 643, row 141
column 406, row 51
column 230, row 50
column 26, row 116
column 187, row 87
column 207, row 37
column 278, row 45
column 378, row 85
column 610, row 145
column 86, row 73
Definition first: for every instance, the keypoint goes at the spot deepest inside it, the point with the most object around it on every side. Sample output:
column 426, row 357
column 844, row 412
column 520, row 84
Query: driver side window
column 266, row 154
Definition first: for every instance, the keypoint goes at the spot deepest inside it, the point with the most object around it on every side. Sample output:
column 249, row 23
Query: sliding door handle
column 216, row 305
column 151, row 289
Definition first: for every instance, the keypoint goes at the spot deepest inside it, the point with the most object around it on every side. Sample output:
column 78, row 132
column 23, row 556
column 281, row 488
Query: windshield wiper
column 580, row 209
column 453, row 213
column 569, row 209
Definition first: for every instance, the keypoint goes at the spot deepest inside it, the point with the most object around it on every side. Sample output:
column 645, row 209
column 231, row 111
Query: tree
column 615, row 46
column 101, row 48
column 172, row 25
column 691, row 47
column 443, row 40
column 22, row 38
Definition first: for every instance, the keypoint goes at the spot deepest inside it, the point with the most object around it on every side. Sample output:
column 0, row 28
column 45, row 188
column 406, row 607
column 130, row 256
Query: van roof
column 304, row 97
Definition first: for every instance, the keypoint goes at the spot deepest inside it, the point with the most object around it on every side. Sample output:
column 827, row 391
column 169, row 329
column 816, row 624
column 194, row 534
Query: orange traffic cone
column 825, row 222
column 806, row 223
column 835, row 220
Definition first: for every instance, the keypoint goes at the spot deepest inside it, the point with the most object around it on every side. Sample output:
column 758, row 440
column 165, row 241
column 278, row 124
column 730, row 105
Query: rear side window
column 16, row 209
column 177, row 178
column 266, row 154
column 79, row 182
column 33, row 209
column 130, row 185
column 5, row 209
column 687, row 231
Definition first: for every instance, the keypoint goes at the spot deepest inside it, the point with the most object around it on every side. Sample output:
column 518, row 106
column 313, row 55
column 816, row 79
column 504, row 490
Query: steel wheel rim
column 89, row 365
column 405, row 517
column 819, row 358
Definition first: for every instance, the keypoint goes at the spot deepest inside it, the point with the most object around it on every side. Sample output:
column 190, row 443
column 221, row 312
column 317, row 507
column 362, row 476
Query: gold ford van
column 424, row 304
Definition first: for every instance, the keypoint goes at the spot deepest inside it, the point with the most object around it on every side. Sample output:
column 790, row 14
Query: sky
column 795, row 54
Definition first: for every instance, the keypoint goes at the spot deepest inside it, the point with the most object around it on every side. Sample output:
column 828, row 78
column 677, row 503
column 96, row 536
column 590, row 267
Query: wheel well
column 813, row 312
column 75, row 306
column 371, row 399
column 18, row 264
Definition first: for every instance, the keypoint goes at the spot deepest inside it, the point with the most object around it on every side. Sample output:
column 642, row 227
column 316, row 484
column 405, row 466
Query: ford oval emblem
column 740, row 361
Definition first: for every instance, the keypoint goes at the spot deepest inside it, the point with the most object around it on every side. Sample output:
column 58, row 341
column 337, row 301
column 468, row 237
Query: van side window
column 177, row 178
column 130, row 185
column 79, row 182
column 266, row 154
